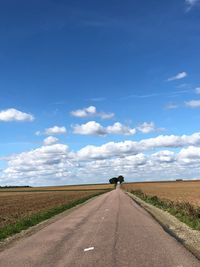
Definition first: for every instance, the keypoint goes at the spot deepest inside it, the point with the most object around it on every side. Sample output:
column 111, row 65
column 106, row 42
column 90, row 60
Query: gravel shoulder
column 188, row 237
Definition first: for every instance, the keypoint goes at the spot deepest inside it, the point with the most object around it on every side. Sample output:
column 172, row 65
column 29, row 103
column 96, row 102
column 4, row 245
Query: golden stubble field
column 60, row 188
column 19, row 203
column 183, row 191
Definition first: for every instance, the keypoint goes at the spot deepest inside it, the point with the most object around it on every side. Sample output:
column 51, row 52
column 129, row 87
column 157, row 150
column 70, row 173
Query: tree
column 121, row 179
column 113, row 180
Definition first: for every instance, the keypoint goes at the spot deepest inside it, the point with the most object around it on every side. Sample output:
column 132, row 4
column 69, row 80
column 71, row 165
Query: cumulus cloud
column 118, row 128
column 189, row 155
column 56, row 164
column 178, row 76
column 193, row 103
column 89, row 128
column 55, row 130
column 164, row 156
column 95, row 128
column 12, row 114
column 50, row 140
column 120, row 149
column 44, row 162
column 148, row 127
column 91, row 111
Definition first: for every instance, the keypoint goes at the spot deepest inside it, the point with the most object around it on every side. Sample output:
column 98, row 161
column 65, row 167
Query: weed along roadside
column 183, row 211
column 177, row 191
column 34, row 219
column 172, row 219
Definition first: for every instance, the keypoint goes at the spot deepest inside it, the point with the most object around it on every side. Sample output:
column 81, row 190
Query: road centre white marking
column 88, row 249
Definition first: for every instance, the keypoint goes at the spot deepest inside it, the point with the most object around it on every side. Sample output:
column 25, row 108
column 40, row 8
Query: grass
column 183, row 211
column 27, row 222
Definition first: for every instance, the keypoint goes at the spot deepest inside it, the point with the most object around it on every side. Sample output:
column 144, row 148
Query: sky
column 90, row 90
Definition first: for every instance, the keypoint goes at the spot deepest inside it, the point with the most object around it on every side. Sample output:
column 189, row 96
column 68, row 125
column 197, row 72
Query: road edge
column 188, row 237
column 10, row 241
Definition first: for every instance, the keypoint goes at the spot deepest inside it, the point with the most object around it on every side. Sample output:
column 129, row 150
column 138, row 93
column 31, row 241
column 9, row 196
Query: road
column 110, row 230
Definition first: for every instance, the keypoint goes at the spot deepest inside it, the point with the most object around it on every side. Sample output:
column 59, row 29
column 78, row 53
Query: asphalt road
column 110, row 230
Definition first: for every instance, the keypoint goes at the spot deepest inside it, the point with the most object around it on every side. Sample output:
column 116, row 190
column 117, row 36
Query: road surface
column 110, row 230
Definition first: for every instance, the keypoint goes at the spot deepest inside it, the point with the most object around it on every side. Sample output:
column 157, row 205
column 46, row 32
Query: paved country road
column 110, row 230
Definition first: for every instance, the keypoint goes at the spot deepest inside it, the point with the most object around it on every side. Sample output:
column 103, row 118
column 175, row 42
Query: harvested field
column 183, row 191
column 15, row 206
column 59, row 188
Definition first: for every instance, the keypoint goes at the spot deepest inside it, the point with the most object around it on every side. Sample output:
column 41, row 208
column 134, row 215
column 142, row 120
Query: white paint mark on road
column 88, row 249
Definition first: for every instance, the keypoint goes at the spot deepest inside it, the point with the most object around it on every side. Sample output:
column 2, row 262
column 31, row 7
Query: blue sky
column 106, row 71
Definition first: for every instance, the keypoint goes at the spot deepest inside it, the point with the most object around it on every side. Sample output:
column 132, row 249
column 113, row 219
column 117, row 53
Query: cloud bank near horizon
column 162, row 157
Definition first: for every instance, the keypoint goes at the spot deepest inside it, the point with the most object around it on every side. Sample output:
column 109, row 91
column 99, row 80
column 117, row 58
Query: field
column 36, row 204
column 183, row 191
column 59, row 188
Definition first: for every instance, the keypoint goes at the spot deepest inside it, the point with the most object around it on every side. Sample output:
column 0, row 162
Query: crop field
column 15, row 205
column 182, row 191
column 59, row 188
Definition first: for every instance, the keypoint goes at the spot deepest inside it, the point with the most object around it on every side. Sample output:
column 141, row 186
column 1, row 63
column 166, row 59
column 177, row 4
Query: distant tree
column 113, row 180
column 120, row 179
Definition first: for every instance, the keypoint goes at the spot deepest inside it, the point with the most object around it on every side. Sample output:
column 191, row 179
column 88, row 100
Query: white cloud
column 95, row 128
column 179, row 76
column 12, row 114
column 55, row 130
column 50, row 140
column 91, row 111
column 171, row 106
column 148, row 127
column 190, row 4
column 128, row 147
column 197, row 90
column 89, row 128
column 193, row 103
column 118, row 128
column 164, row 156
column 42, row 163
column 56, row 164
column 38, row 133
column 189, row 155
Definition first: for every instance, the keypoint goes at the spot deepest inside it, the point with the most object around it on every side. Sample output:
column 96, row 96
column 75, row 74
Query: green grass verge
column 183, row 211
column 27, row 222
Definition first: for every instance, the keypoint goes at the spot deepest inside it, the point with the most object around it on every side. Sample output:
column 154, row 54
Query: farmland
column 20, row 204
column 59, row 188
column 181, row 199
column 183, row 191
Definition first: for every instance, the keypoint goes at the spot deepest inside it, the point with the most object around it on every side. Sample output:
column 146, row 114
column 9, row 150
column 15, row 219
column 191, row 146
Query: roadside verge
column 188, row 237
